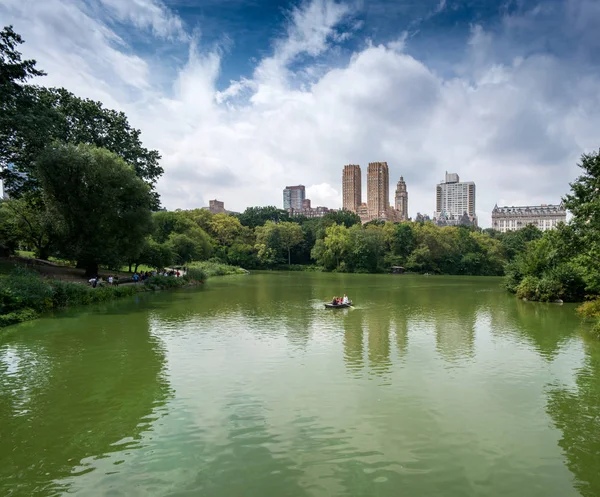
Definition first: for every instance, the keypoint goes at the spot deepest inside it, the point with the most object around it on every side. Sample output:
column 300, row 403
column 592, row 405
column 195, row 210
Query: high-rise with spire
column 378, row 190
column 351, row 188
column 402, row 200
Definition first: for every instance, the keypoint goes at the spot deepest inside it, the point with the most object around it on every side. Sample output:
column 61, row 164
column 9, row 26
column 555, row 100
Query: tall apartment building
column 216, row 206
column 453, row 198
column 351, row 188
column 544, row 217
column 402, row 200
column 293, row 196
column 378, row 189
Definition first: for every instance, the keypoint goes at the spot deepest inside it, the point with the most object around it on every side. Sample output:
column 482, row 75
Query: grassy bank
column 213, row 268
column 24, row 294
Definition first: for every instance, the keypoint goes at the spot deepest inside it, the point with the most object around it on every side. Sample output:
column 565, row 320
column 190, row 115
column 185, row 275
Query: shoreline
column 27, row 294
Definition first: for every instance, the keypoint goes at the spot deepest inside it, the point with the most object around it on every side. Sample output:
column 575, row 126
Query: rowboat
column 338, row 306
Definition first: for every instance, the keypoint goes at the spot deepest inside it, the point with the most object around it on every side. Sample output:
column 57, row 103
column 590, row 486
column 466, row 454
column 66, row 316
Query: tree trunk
column 43, row 253
column 289, row 257
column 91, row 269
column 136, row 267
column 130, row 264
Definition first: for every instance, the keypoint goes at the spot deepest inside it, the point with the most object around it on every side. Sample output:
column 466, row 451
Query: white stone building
column 543, row 217
column 454, row 199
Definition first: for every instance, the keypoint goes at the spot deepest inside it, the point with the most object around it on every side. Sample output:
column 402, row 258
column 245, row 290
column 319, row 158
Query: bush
column 213, row 268
column 17, row 317
column 162, row 282
column 541, row 289
column 195, row 274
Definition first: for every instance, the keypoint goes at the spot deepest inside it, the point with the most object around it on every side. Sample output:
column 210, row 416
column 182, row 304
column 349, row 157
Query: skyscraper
column 378, row 190
column 293, row 196
column 453, row 198
column 351, row 188
column 402, row 200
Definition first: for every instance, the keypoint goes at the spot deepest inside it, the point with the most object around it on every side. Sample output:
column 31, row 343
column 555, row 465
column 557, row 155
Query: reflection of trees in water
column 353, row 340
column 72, row 388
column 576, row 412
column 401, row 323
column 455, row 333
column 249, row 461
column 546, row 326
column 378, row 326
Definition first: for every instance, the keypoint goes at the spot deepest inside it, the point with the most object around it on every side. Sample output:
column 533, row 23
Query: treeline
column 267, row 238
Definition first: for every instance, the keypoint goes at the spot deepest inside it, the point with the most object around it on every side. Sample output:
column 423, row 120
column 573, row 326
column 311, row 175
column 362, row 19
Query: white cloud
column 147, row 14
column 516, row 128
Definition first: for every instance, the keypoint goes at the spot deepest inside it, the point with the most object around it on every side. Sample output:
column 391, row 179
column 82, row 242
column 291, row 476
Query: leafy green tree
column 29, row 224
column 99, row 202
column 290, row 235
column 16, row 98
column 584, row 203
column 343, row 216
column 225, row 229
column 258, row 216
column 157, row 255
column 367, row 248
column 336, row 243
column 403, row 240
column 32, row 118
column 193, row 245
column 268, row 243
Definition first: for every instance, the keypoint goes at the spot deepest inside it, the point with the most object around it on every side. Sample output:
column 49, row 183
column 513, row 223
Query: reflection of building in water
column 378, row 325
column 455, row 333
column 353, row 341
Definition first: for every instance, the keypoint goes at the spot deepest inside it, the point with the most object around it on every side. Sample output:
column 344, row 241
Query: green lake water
column 431, row 386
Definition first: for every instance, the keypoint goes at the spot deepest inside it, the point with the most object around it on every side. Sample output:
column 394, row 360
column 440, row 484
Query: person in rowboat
column 345, row 300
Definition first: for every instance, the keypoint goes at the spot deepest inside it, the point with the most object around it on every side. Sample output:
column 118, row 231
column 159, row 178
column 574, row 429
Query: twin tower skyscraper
column 378, row 194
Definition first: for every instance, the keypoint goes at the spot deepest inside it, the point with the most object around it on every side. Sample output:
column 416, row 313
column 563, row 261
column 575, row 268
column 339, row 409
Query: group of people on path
column 141, row 276
column 98, row 281
column 339, row 301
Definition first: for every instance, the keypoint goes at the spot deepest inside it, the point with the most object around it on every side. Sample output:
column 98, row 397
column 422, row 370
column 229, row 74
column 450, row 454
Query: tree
column 345, row 217
column 584, row 203
column 268, row 243
column 258, row 216
column 403, row 240
column 290, row 235
column 157, row 255
column 337, row 242
column 100, row 204
column 17, row 100
column 30, row 223
column 225, row 228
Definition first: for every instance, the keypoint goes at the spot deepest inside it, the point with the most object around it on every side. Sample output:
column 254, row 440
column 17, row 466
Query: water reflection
column 353, row 341
column 576, row 412
column 69, row 393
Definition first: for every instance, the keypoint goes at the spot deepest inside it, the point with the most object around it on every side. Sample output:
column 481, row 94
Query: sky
column 244, row 97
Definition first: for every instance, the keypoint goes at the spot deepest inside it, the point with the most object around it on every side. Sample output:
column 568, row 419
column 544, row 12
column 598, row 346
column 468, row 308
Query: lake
column 430, row 386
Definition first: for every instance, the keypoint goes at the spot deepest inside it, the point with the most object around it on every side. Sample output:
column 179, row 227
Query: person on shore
column 110, row 280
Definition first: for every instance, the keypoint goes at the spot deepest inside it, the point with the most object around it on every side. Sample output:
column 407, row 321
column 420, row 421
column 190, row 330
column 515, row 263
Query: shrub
column 212, row 268
column 195, row 274
column 17, row 317
column 162, row 282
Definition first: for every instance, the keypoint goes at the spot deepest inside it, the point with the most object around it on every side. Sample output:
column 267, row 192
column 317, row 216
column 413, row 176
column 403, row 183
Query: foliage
column 214, row 268
column 258, row 216
column 101, row 207
column 562, row 263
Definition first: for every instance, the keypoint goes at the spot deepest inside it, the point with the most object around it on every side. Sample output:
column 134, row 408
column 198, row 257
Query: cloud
column 511, row 118
column 147, row 14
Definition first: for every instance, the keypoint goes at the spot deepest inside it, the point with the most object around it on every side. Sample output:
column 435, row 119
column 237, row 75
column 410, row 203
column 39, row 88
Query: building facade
column 351, row 188
column 378, row 190
column 293, row 196
column 543, row 217
column 455, row 198
column 401, row 200
column 363, row 213
column 311, row 212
